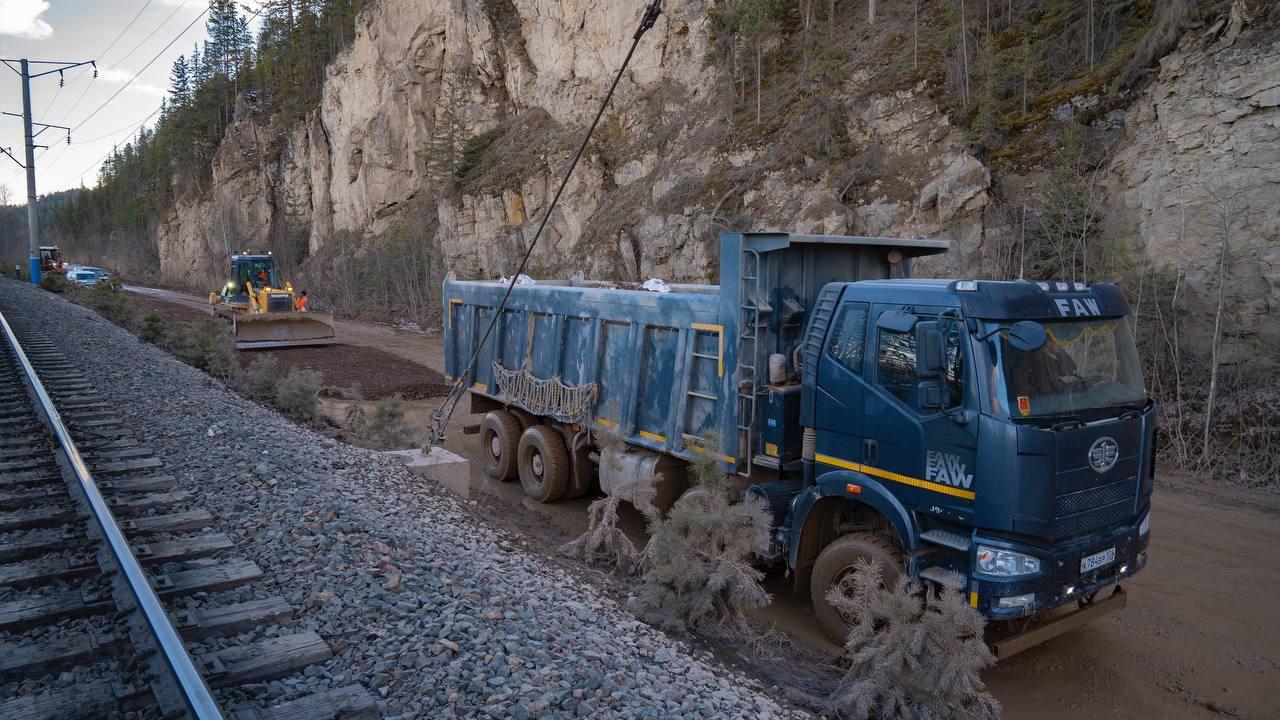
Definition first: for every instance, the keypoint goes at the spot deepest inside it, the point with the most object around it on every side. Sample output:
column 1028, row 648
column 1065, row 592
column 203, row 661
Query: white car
column 83, row 277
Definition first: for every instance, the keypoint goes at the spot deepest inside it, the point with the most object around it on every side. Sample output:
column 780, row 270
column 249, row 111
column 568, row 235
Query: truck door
column 838, row 397
column 927, row 458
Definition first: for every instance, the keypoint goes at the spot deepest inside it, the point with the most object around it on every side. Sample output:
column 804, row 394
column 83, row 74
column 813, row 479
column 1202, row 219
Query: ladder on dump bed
column 752, row 309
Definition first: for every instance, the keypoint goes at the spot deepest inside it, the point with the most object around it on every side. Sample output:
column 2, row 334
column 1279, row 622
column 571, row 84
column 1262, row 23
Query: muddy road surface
column 1198, row 639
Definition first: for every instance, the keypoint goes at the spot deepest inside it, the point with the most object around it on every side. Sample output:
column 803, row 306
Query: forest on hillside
column 279, row 72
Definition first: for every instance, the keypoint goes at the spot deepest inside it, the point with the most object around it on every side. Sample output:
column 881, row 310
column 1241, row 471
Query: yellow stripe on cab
column 895, row 477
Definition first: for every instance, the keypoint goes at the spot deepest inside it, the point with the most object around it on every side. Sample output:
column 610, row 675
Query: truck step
column 946, row 538
column 949, row 579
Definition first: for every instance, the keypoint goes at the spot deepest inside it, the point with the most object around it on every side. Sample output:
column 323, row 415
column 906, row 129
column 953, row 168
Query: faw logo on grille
column 1103, row 454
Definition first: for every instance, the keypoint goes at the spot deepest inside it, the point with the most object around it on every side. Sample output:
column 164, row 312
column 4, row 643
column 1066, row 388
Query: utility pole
column 29, row 137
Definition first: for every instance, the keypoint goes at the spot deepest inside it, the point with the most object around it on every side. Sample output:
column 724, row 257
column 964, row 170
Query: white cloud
column 118, row 75
column 21, row 18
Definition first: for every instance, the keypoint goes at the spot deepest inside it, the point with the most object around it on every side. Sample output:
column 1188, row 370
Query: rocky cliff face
column 1200, row 167
column 521, row 78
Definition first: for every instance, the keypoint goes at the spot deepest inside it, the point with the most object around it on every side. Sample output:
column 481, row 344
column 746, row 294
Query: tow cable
column 440, row 418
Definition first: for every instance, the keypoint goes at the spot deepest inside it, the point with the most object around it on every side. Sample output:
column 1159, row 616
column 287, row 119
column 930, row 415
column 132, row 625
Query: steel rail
column 191, row 684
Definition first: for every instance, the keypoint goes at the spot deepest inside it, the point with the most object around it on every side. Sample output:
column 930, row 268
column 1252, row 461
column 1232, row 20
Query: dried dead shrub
column 914, row 654
column 604, row 543
column 698, row 573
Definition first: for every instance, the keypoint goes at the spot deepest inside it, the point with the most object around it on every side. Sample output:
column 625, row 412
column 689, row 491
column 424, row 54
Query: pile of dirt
column 375, row 373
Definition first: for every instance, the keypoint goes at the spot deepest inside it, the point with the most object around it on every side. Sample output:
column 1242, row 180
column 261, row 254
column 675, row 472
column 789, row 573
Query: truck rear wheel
column 835, row 568
column 499, row 438
column 543, row 461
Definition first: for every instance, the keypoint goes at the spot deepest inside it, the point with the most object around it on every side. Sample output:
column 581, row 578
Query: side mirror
column 1027, row 336
column 931, row 350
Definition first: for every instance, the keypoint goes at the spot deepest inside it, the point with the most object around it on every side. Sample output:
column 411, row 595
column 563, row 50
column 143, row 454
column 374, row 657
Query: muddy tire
column 835, row 566
column 543, row 462
column 499, row 438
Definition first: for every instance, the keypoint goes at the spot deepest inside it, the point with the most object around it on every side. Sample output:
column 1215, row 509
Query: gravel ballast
column 428, row 606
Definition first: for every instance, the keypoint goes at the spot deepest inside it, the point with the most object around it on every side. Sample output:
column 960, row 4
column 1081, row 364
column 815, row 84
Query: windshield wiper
column 1132, row 409
column 1068, row 422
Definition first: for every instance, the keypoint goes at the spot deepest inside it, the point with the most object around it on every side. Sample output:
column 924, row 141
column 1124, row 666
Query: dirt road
column 417, row 347
column 1199, row 638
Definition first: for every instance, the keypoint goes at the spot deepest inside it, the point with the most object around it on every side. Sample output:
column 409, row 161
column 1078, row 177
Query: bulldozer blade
column 282, row 329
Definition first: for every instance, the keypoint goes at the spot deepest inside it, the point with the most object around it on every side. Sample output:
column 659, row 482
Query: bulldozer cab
column 258, row 271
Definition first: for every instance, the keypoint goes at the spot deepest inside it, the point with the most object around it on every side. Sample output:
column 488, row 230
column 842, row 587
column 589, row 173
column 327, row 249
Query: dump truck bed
column 664, row 365
column 657, row 359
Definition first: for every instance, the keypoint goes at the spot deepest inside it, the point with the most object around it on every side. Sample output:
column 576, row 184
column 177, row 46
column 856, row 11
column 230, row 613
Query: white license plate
column 1097, row 560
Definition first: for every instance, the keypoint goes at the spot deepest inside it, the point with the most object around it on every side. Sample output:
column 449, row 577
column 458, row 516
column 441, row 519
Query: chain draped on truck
column 994, row 438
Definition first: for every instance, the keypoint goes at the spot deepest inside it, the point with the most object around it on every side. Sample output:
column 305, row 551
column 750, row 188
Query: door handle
column 870, row 452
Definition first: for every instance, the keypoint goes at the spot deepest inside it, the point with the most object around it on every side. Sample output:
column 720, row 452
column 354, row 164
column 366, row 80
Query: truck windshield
column 1083, row 365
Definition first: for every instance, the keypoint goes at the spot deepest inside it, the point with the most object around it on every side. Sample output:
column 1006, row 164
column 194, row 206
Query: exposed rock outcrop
column 455, row 119
column 1200, row 165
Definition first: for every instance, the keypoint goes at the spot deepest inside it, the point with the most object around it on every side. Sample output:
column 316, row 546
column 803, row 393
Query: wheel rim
column 495, row 446
column 535, row 464
column 844, row 583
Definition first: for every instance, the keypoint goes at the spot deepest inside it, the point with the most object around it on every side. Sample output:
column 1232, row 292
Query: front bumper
column 1060, row 580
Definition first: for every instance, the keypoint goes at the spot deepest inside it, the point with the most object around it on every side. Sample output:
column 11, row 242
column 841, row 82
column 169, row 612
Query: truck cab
column 990, row 437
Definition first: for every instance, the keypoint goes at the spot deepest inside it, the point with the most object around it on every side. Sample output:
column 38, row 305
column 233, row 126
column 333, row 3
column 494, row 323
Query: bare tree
column 1229, row 215
column 871, row 12
column 1089, row 33
column 964, row 51
column 915, row 35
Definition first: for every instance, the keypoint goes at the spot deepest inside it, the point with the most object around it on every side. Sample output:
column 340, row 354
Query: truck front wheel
column 543, row 461
column 836, row 567
column 499, row 436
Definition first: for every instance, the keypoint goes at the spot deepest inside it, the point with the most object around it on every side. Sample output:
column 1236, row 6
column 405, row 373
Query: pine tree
column 180, row 82
column 698, row 571
column 198, row 68
column 913, row 653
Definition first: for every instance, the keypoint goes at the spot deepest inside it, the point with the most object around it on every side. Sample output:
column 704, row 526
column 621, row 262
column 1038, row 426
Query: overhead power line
column 129, row 82
column 150, row 35
column 101, row 55
column 117, row 131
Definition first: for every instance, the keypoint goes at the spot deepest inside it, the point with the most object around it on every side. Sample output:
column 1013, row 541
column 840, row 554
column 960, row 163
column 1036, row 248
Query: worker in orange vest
column 300, row 302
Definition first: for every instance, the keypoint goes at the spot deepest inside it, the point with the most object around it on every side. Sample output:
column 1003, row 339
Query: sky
column 122, row 36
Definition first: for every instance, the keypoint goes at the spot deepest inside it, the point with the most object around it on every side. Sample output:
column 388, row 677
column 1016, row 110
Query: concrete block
column 449, row 469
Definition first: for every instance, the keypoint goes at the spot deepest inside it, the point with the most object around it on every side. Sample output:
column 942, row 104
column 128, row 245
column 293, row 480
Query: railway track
column 118, row 598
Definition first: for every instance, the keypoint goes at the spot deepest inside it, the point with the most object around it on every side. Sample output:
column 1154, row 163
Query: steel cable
column 441, row 416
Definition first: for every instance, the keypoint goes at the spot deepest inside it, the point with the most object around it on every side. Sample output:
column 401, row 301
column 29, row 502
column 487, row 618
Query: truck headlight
column 1006, row 563
column 1145, row 526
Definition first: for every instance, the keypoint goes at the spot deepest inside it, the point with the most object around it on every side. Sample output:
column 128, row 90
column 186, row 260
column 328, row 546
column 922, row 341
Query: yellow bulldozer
column 266, row 313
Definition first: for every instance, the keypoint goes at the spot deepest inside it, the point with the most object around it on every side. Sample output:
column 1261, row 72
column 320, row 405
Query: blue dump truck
column 990, row 437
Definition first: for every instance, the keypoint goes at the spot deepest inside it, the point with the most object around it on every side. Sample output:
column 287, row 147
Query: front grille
column 279, row 303
column 1096, row 507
